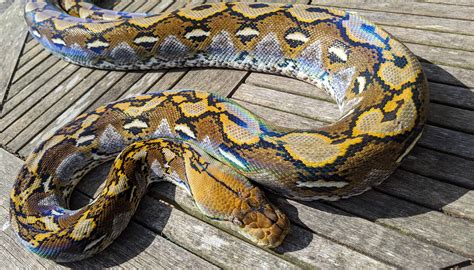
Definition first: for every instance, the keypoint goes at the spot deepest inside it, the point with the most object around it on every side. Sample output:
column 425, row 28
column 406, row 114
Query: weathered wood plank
column 33, row 63
column 414, row 220
column 30, row 51
column 201, row 238
column 66, row 109
column 452, row 118
column 139, row 248
column 367, row 237
column 11, row 40
column 303, row 106
column 280, row 118
column 136, row 247
column 356, row 233
column 26, row 98
column 448, row 141
column 144, row 84
column 169, row 80
column 33, row 118
column 218, row 81
column 4, row 4
column 437, row 165
column 33, row 73
column 457, row 96
column 288, row 85
column 452, row 95
column 424, row 9
column 432, row 38
column 449, row 75
column 443, row 56
column 115, row 91
column 449, row 2
column 30, row 44
column 442, row 25
column 300, row 246
column 451, row 200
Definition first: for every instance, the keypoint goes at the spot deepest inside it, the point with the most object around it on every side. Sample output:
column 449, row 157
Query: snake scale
column 209, row 145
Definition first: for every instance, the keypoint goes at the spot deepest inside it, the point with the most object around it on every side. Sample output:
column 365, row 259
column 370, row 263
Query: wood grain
column 408, row 7
column 13, row 35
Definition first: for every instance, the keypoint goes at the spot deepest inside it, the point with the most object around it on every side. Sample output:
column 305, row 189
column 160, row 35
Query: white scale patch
column 146, row 39
column 36, row 34
column 97, row 44
column 321, row 183
column 84, row 139
column 362, row 81
column 58, row 41
column 186, row 130
column 339, row 52
column 232, row 158
column 247, row 32
column 136, row 124
column 94, row 243
column 196, row 33
column 56, row 213
column 297, row 36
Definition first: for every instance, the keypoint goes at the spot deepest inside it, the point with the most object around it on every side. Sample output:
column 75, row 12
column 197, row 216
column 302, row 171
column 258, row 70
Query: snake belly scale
column 206, row 144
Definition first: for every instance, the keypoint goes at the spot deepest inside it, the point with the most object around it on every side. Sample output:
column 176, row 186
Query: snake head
column 224, row 195
column 259, row 221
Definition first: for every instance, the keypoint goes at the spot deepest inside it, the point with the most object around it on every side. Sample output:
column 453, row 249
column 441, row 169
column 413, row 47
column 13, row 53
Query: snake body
column 206, row 144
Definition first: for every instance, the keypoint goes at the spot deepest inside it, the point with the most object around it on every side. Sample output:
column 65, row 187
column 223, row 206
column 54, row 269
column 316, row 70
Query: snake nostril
column 270, row 214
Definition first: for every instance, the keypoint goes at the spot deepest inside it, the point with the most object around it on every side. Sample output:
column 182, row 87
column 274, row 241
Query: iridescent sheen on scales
column 208, row 145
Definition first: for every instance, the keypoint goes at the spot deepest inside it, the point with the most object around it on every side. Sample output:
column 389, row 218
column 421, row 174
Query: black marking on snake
column 202, row 7
column 258, row 5
column 204, row 170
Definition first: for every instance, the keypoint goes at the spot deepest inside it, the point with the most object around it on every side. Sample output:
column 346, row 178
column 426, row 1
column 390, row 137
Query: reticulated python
column 206, row 144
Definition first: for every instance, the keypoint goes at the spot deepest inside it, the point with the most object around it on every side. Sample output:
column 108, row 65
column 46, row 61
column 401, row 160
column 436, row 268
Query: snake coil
column 206, row 144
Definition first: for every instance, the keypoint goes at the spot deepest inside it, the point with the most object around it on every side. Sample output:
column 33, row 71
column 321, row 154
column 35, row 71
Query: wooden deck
column 422, row 217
